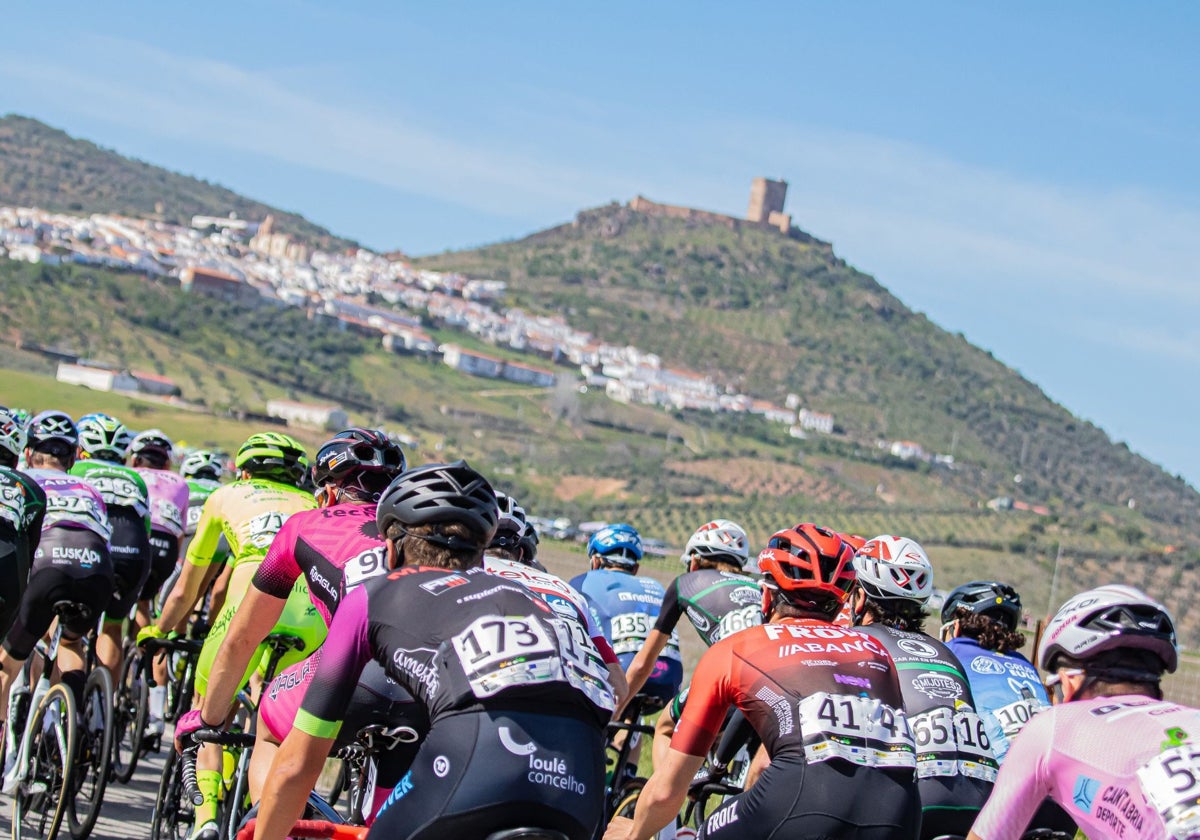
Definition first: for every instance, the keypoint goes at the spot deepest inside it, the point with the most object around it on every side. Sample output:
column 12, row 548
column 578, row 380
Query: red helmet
column 808, row 564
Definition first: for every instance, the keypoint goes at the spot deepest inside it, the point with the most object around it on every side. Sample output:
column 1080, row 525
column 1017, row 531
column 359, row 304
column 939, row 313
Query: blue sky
column 1022, row 173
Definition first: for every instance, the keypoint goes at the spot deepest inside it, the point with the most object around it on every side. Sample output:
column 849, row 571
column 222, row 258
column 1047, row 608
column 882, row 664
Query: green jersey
column 22, row 502
column 199, row 489
column 118, row 485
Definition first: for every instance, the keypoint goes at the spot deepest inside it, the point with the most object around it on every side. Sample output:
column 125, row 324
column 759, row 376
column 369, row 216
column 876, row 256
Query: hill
column 45, row 167
column 775, row 315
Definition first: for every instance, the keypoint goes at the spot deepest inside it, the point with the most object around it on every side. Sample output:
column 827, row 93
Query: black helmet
column 985, row 597
column 441, row 493
column 53, row 432
column 363, row 460
column 529, row 543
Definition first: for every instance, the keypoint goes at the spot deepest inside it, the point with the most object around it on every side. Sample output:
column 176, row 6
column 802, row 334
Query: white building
column 98, row 379
column 814, row 421
column 315, row 416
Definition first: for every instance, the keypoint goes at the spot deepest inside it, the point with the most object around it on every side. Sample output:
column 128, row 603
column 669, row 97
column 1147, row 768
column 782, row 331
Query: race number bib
column 167, row 513
column 737, row 620
column 861, row 730
column 193, row 517
column 629, row 631
column 582, row 665
column 952, row 743
column 120, row 491
column 365, row 566
column 1171, row 783
column 79, row 510
column 1013, row 717
column 263, row 528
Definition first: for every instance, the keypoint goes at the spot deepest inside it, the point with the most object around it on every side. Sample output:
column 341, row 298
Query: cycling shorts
column 164, row 554
column 130, row 558
column 300, row 618
column 480, row 772
column 88, row 586
column 14, row 572
column 949, row 804
column 794, row 800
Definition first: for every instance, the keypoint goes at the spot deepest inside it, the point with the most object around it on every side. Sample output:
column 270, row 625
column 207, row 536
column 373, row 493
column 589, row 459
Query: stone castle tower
column 766, row 204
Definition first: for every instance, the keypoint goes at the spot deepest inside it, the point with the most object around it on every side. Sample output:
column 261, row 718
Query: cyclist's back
column 1121, row 761
column 22, row 510
column 626, row 606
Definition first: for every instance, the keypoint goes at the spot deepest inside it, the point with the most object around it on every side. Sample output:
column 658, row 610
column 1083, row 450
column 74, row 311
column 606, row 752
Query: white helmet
column 202, row 463
column 1107, row 618
column 718, row 540
column 891, row 568
column 12, row 433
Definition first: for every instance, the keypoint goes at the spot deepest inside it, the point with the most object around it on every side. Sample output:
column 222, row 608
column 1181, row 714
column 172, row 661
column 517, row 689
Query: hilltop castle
column 766, row 208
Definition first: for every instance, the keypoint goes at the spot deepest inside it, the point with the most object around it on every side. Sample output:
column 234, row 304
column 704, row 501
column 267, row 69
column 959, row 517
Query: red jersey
column 808, row 688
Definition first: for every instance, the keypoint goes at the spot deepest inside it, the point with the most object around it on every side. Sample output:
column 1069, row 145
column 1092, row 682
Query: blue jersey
column 1007, row 689
column 626, row 608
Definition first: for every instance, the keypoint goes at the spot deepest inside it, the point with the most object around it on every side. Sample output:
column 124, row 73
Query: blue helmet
column 619, row 545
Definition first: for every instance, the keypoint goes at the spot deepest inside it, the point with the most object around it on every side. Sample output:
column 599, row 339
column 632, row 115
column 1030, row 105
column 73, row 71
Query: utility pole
column 1054, row 581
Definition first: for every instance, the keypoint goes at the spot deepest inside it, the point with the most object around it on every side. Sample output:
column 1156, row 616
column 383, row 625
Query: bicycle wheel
column 173, row 815
column 40, row 801
column 129, row 717
column 93, row 753
column 627, row 798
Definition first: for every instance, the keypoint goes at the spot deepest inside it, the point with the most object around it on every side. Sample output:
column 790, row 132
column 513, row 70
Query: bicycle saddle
column 72, row 612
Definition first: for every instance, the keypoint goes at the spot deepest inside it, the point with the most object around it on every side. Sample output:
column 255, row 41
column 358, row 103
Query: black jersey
column 717, row 603
column 955, row 764
column 458, row 641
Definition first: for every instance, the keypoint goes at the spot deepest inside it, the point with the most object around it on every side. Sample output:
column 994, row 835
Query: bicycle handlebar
column 316, row 829
column 181, row 645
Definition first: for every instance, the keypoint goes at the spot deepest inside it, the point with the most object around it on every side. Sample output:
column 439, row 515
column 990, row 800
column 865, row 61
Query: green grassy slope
column 45, row 167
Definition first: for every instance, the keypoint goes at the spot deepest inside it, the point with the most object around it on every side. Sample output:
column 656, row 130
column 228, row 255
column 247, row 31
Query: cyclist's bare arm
column 616, row 679
column 256, row 616
column 660, row 800
column 643, row 663
column 184, row 595
column 294, row 772
column 664, row 728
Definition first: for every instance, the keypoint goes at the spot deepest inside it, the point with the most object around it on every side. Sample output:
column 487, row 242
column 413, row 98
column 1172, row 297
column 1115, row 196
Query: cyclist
column 517, row 701
column 150, row 454
column 203, row 470
column 825, row 700
column 980, row 627
column 103, row 444
column 506, row 556
column 893, row 580
column 627, row 606
column 334, row 549
column 249, row 512
column 71, row 563
column 22, row 510
column 715, row 593
column 1122, row 761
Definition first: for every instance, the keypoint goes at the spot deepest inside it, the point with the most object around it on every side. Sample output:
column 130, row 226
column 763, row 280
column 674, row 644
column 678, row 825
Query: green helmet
column 103, row 437
column 273, row 455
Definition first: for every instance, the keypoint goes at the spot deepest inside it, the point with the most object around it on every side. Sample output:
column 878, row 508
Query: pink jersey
column 335, row 548
column 1122, row 767
column 560, row 595
column 169, row 494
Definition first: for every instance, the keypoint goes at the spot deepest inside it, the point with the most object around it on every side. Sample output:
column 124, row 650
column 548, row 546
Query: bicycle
column 623, row 786
column 171, row 817
column 356, row 777
column 47, row 744
column 93, row 755
column 132, row 706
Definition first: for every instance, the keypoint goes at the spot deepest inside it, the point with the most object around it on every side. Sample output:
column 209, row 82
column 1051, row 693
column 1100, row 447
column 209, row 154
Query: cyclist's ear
column 395, row 554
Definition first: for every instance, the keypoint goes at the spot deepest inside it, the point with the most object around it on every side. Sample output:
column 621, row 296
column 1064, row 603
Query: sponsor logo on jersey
column 744, row 596
column 721, row 818
column 1118, row 809
column 62, row 555
column 1084, row 792
column 844, row 679
column 441, row 766
column 423, row 671
column 437, row 587
column 699, row 619
column 399, row 791
column 938, row 685
column 318, row 579
column 509, row 743
column 640, row 597
column 987, row 665
column 917, row 648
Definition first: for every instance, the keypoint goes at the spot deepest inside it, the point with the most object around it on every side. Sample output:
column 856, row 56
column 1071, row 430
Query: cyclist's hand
column 150, row 631
column 619, row 828
column 185, row 726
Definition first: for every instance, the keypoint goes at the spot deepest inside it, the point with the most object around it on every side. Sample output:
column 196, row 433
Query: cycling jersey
column 717, row 603
column 128, row 503
column 199, row 489
column 955, row 763
column 506, row 682
column 1122, row 767
column 560, row 595
column 22, row 510
column 1007, row 688
column 72, row 503
column 626, row 607
column 169, row 500
column 249, row 513
column 823, row 699
column 169, row 495
column 334, row 548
